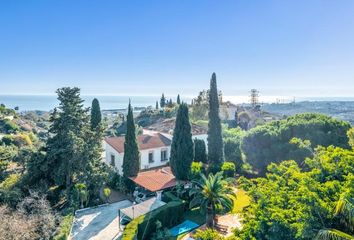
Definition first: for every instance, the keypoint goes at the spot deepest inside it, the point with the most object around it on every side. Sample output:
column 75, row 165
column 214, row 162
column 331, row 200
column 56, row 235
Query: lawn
column 242, row 200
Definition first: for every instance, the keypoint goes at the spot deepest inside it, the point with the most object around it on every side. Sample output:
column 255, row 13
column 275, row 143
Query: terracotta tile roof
column 155, row 180
column 145, row 141
column 167, row 126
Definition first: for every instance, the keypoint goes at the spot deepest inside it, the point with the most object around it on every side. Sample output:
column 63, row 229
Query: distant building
column 228, row 111
column 167, row 126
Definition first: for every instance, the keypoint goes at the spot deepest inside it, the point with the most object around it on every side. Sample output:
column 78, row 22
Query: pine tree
column 131, row 159
column 73, row 152
column 178, row 100
column 163, row 101
column 182, row 145
column 66, row 151
column 200, row 151
column 96, row 116
column 215, row 144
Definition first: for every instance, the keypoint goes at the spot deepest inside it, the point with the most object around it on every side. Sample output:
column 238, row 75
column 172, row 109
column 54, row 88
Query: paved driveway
column 98, row 223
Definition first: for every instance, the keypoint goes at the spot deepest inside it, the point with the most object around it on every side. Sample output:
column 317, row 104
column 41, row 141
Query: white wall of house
column 157, row 160
column 114, row 158
column 149, row 158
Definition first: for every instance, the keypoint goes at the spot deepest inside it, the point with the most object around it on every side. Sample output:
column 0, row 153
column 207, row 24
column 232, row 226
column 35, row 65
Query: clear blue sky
column 297, row 48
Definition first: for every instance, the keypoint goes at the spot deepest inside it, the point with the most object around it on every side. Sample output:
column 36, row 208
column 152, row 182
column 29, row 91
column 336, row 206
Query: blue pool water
column 186, row 226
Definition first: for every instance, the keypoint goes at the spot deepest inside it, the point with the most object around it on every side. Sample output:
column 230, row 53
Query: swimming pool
column 184, row 227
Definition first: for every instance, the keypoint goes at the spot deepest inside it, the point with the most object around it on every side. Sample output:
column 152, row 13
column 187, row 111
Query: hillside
column 343, row 110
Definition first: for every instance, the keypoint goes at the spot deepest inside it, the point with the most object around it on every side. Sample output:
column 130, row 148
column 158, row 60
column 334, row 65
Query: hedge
column 142, row 227
column 169, row 197
column 65, row 227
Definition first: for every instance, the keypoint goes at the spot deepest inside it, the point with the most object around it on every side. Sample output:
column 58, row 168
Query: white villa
column 154, row 145
column 154, row 151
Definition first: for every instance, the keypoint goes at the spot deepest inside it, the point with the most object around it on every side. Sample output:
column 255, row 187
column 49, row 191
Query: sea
column 49, row 102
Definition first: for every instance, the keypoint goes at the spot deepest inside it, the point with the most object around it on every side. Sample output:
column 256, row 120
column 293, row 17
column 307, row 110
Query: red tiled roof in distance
column 168, row 125
column 155, row 180
column 145, row 141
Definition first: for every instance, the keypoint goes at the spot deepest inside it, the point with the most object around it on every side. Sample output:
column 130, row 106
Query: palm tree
column 82, row 193
column 345, row 210
column 211, row 193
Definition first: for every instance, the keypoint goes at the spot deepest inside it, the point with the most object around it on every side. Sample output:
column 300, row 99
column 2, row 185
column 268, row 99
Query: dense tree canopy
column 232, row 146
column 271, row 142
column 72, row 153
column 131, row 159
column 200, row 106
column 182, row 145
column 215, row 143
column 304, row 199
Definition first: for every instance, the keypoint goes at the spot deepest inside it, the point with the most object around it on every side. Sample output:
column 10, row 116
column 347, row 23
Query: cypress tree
column 163, row 101
column 182, row 145
column 131, row 159
column 157, row 105
column 96, row 116
column 215, row 144
column 170, row 103
column 236, row 118
column 178, row 100
column 200, row 151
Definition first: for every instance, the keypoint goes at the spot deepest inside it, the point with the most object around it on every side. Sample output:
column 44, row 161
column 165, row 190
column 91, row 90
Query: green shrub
column 65, row 227
column 196, row 170
column 10, row 182
column 161, row 232
column 8, row 126
column 229, row 169
column 143, row 227
column 106, row 193
column 18, row 140
column 9, row 190
column 208, row 234
column 7, row 140
column 22, row 139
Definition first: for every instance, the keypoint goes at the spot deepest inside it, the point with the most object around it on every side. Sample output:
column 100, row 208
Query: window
column 151, row 157
column 113, row 160
column 164, row 155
